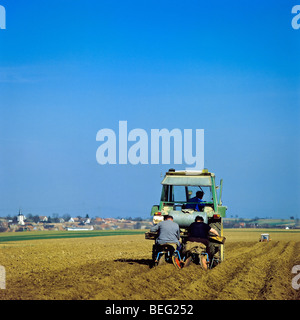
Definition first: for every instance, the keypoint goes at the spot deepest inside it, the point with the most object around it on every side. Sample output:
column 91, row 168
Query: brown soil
column 119, row 267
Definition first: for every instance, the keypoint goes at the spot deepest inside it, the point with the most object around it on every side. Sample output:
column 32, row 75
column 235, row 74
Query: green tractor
column 180, row 186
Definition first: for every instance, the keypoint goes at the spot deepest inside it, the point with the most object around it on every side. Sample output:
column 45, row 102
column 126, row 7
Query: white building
column 20, row 219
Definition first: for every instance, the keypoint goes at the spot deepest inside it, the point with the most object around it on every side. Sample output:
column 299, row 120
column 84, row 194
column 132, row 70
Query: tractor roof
column 188, row 178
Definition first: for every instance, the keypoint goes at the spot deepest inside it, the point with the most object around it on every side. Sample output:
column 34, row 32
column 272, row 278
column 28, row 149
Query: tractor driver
column 196, row 203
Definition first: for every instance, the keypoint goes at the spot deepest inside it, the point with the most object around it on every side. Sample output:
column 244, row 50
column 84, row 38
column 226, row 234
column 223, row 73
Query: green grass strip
column 43, row 235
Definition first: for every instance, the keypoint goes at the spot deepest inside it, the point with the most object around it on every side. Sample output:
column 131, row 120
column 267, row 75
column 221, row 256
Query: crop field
column 119, row 267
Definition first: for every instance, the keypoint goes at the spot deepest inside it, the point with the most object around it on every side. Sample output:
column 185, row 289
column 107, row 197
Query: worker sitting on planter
column 198, row 241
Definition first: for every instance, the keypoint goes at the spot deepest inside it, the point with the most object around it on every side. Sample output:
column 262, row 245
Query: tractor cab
column 180, row 197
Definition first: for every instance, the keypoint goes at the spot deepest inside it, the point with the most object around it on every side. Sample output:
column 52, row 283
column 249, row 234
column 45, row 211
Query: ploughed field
column 119, row 267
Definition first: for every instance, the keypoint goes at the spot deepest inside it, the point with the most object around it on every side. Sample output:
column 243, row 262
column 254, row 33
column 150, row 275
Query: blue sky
column 71, row 68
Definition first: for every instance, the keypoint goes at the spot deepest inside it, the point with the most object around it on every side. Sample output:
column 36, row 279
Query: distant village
column 29, row 222
column 265, row 223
